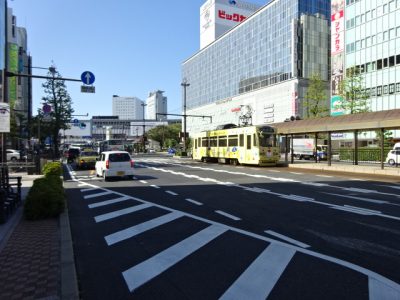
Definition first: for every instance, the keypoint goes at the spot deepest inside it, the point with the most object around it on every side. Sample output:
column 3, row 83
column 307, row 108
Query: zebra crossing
column 257, row 281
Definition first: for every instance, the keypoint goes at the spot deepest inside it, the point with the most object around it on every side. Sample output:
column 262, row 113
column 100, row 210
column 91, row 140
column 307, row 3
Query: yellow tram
column 252, row 145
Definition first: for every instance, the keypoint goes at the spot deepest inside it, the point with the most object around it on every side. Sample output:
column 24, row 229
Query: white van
column 114, row 164
column 396, row 146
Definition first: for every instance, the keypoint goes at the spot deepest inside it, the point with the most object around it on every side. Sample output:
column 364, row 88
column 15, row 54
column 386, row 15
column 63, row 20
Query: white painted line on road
column 108, row 202
column 275, row 171
column 296, row 173
column 155, row 186
column 296, row 198
column 97, row 195
column 88, row 189
column 325, row 176
column 171, row 193
column 364, row 209
column 286, row 238
column 194, row 201
column 352, row 210
column 391, row 186
column 143, row 181
column 358, row 198
column 261, row 276
column 82, row 184
column 381, row 291
column 137, row 229
column 228, row 215
column 121, row 212
column 154, row 266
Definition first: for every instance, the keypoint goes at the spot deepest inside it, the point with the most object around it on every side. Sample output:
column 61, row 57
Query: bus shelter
column 355, row 123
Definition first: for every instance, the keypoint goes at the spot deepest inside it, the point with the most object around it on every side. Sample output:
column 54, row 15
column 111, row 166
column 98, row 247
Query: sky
column 132, row 47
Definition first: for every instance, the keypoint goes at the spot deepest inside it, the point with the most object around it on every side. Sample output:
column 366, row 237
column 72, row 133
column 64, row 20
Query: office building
column 156, row 103
column 127, row 107
column 218, row 16
column 261, row 66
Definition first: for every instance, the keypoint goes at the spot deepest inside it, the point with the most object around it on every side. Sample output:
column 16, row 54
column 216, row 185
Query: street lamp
column 144, row 127
column 184, row 84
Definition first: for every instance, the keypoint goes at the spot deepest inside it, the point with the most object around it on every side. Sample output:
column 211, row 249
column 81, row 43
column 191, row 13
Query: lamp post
column 144, row 127
column 184, row 84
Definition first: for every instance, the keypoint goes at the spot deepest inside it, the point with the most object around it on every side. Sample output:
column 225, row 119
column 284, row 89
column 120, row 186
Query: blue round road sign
column 87, row 77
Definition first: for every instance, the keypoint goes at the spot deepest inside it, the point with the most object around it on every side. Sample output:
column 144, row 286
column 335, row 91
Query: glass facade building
column 255, row 54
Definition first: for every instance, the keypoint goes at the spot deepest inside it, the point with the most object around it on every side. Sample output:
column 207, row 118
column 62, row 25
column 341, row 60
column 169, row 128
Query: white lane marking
column 353, row 210
column 194, row 201
column 275, row 171
column 342, row 263
column 325, row 176
column 137, row 229
column 108, row 202
column 364, row 209
column 121, row 212
column 171, row 193
column 82, row 184
column 88, row 190
column 358, row 198
column 391, row 186
column 155, row 186
column 297, row 198
column 222, row 213
column 143, row 181
column 97, row 195
column 380, row 291
column 286, row 238
column 296, row 173
column 261, row 276
column 154, row 266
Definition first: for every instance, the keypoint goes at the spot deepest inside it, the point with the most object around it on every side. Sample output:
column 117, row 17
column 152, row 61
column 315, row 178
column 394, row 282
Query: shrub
column 45, row 198
column 52, row 168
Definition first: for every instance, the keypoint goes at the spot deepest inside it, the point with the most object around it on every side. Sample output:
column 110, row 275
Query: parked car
column 13, row 155
column 86, row 159
column 393, row 157
column 114, row 164
column 71, row 154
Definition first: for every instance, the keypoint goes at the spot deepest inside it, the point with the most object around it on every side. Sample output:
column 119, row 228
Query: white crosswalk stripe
column 121, row 212
column 147, row 270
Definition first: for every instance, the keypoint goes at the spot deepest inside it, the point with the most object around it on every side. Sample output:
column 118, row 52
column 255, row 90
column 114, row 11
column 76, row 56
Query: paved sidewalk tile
column 30, row 262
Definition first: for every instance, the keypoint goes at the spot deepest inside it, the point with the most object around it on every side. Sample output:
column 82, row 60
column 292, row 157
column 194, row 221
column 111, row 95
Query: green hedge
column 46, row 197
column 364, row 154
column 52, row 168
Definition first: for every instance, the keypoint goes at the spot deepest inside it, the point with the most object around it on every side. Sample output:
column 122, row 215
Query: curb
column 69, row 282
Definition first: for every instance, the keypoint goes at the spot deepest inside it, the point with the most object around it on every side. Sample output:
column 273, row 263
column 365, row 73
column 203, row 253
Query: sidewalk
column 36, row 256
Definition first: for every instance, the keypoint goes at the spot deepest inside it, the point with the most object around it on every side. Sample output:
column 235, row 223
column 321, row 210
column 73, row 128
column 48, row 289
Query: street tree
column 56, row 95
column 353, row 93
column 166, row 135
column 316, row 98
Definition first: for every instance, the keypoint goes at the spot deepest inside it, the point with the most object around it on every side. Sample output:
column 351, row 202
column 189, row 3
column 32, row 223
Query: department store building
column 261, row 65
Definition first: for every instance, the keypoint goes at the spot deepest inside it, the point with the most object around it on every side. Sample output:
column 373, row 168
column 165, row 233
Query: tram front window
column 267, row 140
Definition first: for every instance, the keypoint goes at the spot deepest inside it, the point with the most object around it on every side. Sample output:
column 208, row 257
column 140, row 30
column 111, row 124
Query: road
column 188, row 230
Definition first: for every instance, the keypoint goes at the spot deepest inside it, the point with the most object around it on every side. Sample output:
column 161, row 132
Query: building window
column 385, row 62
column 391, row 88
column 391, row 61
column 398, row 87
column 379, row 64
column 385, row 89
column 373, row 92
column 398, row 59
column 379, row 90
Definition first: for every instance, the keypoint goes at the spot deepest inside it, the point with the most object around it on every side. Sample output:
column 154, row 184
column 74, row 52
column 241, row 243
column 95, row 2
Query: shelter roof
column 387, row 119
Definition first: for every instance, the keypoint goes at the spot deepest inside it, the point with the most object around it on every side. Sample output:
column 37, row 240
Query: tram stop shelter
column 355, row 123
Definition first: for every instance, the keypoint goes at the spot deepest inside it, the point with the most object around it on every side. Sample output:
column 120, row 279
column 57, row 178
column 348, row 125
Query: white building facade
column 156, row 103
column 218, row 16
column 261, row 66
column 127, row 108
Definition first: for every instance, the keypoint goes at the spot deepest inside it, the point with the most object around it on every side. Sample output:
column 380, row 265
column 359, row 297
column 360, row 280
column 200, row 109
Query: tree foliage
column 353, row 93
column 56, row 95
column 167, row 136
column 316, row 98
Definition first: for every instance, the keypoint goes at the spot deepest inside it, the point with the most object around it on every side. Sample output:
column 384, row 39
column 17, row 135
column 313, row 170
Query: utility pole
column 144, row 128
column 184, row 84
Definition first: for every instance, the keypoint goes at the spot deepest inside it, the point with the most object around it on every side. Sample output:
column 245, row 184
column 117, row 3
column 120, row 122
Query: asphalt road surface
column 188, row 230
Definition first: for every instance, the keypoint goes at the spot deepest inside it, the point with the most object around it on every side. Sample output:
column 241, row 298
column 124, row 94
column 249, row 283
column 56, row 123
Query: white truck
column 305, row 149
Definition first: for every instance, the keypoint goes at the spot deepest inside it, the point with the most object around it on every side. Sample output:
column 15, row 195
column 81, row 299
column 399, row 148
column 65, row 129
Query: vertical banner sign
column 337, row 54
column 12, row 67
column 4, row 118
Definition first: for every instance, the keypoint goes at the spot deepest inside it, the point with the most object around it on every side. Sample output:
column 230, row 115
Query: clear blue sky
column 133, row 47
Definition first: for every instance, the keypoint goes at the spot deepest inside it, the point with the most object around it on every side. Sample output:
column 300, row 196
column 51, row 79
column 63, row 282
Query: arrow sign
column 87, row 77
